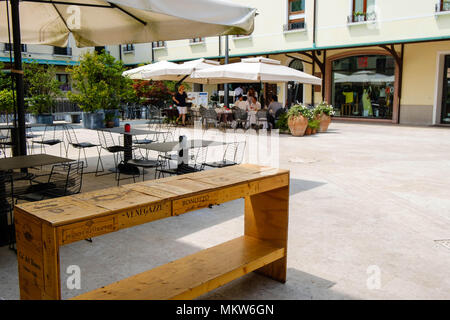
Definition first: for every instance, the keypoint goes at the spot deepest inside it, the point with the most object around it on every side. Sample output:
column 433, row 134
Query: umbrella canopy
column 99, row 23
column 180, row 72
column 136, row 73
column 254, row 70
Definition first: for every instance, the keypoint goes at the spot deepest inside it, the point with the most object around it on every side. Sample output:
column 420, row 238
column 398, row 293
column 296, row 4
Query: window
column 100, row 49
column 443, row 5
column 197, row 40
column 159, row 44
column 128, row 47
column 9, row 47
column 62, row 51
column 362, row 10
column 363, row 86
column 296, row 15
column 64, row 81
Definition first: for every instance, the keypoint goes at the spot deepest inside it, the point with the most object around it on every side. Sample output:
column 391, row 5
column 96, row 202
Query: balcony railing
column 60, row 51
column 294, row 26
column 361, row 17
column 128, row 48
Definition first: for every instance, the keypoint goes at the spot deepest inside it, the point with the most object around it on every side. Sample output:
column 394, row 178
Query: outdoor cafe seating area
column 62, row 156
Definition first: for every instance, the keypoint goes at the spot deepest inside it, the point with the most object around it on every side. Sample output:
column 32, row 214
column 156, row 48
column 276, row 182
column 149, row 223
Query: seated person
column 241, row 103
column 274, row 106
column 254, row 104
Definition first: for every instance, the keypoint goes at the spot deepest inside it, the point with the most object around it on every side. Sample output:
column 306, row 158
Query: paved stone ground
column 363, row 198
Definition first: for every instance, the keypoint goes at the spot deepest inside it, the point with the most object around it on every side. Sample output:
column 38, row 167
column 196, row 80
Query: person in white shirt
column 241, row 103
column 253, row 107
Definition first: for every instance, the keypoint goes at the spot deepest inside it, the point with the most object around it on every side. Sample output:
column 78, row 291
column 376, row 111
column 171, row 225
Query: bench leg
column 266, row 218
column 38, row 259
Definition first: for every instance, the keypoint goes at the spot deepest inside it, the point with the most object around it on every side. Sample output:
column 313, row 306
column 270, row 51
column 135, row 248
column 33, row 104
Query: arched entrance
column 295, row 90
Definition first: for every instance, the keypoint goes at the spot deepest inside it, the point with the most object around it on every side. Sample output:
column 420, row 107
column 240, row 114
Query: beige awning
column 99, row 23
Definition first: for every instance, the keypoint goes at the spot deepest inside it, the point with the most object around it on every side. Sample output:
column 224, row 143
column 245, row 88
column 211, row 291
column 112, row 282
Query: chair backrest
column 197, row 157
column 261, row 114
column 67, row 177
column 240, row 150
column 106, row 139
column 70, row 134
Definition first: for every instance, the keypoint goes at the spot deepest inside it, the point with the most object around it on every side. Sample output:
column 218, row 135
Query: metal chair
column 73, row 141
column 5, row 141
column 241, row 118
column 209, row 116
column 64, row 179
column 261, row 118
column 108, row 144
column 51, row 137
column 233, row 155
column 196, row 162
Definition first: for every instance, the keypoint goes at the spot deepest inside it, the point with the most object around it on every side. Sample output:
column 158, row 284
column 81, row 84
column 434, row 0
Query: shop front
column 363, row 85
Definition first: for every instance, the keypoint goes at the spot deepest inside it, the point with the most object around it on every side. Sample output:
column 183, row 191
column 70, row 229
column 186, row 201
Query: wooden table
column 20, row 162
column 42, row 227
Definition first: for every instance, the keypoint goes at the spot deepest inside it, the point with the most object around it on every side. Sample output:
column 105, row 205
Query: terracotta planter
column 297, row 125
column 109, row 124
column 313, row 131
column 324, row 122
column 308, row 131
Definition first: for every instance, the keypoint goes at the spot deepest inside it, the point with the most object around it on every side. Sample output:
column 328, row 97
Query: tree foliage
column 5, row 78
column 41, row 87
column 98, row 82
column 6, row 101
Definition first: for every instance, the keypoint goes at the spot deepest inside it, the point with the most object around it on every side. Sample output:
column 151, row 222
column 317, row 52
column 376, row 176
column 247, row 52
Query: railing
column 294, row 26
column 365, row 17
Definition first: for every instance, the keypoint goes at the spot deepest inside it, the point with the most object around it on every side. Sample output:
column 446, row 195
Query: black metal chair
column 240, row 116
column 261, row 118
column 141, row 163
column 233, row 155
column 108, row 144
column 73, row 141
column 5, row 141
column 196, row 162
column 51, row 137
column 64, row 179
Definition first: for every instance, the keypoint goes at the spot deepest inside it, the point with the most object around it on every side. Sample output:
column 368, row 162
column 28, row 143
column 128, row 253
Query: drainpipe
column 120, row 52
column 220, row 46
column 314, row 25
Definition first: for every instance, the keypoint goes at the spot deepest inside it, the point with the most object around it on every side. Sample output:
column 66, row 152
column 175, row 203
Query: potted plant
column 42, row 89
column 313, row 125
column 323, row 113
column 99, row 88
column 109, row 119
column 282, row 123
column 298, row 120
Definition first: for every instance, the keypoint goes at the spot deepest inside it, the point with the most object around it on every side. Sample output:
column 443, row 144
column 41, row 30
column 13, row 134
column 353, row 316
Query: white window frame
column 298, row 16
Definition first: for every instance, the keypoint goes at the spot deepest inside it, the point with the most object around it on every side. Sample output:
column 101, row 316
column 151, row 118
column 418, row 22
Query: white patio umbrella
column 179, row 72
column 254, row 70
column 136, row 73
column 99, row 22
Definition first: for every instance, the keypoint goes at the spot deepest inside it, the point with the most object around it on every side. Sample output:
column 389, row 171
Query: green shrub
column 6, row 101
column 299, row 110
column 282, row 122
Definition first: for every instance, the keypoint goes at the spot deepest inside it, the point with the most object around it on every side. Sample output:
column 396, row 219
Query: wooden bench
column 42, row 227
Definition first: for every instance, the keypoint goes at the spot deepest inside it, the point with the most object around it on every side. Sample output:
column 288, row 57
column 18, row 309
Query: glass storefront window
column 363, row 86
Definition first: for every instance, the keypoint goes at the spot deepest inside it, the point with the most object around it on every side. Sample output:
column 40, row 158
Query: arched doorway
column 295, row 90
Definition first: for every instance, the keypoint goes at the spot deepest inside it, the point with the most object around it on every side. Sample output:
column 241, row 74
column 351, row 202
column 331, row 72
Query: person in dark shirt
column 180, row 99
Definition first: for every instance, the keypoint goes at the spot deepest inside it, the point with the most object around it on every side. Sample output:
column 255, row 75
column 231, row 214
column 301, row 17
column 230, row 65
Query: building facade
column 383, row 61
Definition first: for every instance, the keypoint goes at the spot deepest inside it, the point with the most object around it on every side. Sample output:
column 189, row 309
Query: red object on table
column 127, row 127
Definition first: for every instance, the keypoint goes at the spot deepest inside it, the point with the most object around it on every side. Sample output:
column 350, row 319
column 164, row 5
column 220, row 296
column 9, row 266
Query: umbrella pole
column 20, row 140
column 225, row 89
